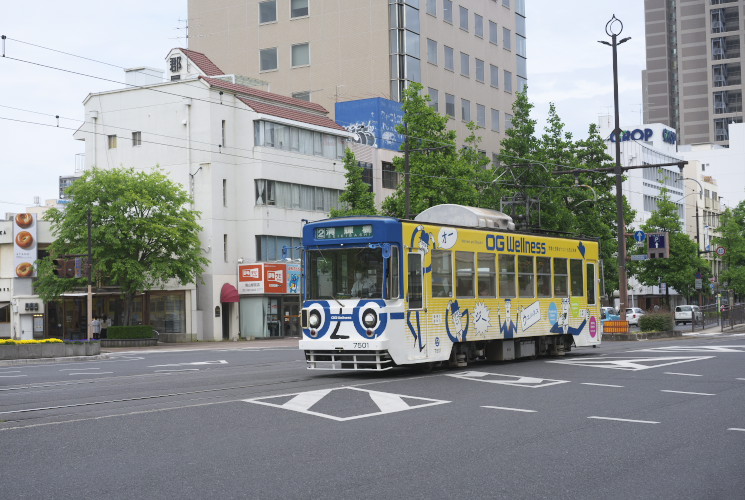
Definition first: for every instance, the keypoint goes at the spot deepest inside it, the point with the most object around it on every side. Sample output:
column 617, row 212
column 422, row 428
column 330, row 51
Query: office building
column 693, row 80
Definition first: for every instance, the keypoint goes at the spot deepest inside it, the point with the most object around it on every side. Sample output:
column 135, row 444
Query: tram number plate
column 361, row 345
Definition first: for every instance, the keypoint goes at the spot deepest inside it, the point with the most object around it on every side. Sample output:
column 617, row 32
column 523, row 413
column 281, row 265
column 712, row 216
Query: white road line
column 683, row 374
column 217, row 362
column 510, row 409
column 90, row 373
column 12, row 376
column 691, row 393
column 174, row 371
column 626, row 420
column 600, row 385
column 736, row 429
column 76, row 369
column 740, row 379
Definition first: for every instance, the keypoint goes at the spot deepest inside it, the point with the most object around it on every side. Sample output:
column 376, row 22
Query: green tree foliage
column 143, row 233
column 357, row 198
column 732, row 229
column 439, row 173
column 679, row 270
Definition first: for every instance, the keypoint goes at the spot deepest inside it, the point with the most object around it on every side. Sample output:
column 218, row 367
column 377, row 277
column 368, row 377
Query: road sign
column 699, row 283
column 640, row 236
column 721, row 251
column 640, row 257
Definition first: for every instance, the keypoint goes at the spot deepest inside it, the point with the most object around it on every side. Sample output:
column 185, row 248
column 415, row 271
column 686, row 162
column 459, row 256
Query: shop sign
column 268, row 277
column 251, row 279
column 24, row 245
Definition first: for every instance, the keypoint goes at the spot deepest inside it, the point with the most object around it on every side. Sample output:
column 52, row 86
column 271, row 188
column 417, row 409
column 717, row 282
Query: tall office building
column 693, row 80
column 470, row 56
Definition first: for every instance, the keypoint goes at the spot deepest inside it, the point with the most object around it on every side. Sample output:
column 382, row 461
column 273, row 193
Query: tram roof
column 461, row 215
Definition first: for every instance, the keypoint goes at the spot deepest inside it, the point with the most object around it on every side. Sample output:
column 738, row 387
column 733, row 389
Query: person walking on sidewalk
column 96, row 326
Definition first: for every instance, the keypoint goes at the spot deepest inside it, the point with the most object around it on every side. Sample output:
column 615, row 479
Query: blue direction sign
column 640, row 236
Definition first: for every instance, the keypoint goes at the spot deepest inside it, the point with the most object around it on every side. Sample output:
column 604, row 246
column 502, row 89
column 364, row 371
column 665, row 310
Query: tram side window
column 543, row 270
column 578, row 282
column 442, row 273
column 526, row 276
column 591, row 283
column 507, row 276
column 415, row 281
column 487, row 275
column 394, row 291
column 466, row 276
column 561, row 278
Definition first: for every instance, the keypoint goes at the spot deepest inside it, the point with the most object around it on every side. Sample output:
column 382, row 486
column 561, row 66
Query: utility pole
column 90, row 278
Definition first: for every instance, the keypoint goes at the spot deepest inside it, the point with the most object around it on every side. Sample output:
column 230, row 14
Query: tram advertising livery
column 455, row 285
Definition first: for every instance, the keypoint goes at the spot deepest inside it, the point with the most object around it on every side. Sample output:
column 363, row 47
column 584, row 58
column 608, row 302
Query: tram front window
column 345, row 273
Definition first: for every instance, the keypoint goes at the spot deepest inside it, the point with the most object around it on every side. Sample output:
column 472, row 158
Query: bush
column 18, row 342
column 130, row 332
column 656, row 322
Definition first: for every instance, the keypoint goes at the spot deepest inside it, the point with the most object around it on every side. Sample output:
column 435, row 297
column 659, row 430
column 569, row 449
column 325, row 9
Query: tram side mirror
column 386, row 250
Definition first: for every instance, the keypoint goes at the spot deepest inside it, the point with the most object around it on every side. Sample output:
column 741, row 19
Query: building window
column 224, row 192
column 222, row 134
column 434, row 97
column 307, row 142
column 296, row 196
column 465, row 66
column 432, row 7
column 507, row 121
column 465, row 110
column 463, row 18
column 298, row 8
column 268, row 59
column 136, row 138
column 431, row 51
column 493, row 33
column 111, row 139
column 479, row 70
column 506, row 3
column 268, row 11
column 167, row 312
column 450, row 105
column 303, row 95
column 481, row 115
column 478, row 25
column 225, row 247
column 447, row 11
column 270, row 247
column 495, row 120
column 449, row 58
column 506, row 39
column 390, row 176
column 507, row 81
column 494, row 76
column 300, row 55
column 367, row 173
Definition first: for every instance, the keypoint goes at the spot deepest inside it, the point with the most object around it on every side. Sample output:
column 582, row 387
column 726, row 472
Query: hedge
column 130, row 332
column 656, row 322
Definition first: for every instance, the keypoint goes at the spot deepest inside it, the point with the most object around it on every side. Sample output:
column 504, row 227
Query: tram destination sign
column 343, row 232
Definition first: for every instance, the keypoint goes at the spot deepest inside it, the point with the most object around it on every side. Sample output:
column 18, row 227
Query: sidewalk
column 679, row 332
column 264, row 343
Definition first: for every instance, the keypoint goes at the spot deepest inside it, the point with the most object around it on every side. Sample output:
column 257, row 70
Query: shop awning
column 229, row 293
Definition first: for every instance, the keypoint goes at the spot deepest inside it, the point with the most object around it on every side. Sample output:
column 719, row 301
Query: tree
column 679, row 270
column 357, row 198
column 439, row 173
column 143, row 235
column 732, row 229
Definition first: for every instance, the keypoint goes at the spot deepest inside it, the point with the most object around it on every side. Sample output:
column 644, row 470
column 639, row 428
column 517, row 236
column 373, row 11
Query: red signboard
column 262, row 277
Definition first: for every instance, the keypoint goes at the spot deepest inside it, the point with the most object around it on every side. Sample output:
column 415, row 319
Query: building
column 693, row 80
column 469, row 56
column 256, row 164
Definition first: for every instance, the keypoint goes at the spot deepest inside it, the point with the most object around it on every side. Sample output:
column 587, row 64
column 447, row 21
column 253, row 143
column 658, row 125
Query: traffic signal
column 64, row 268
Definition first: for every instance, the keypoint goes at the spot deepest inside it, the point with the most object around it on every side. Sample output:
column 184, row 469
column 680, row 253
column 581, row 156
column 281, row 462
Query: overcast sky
column 566, row 66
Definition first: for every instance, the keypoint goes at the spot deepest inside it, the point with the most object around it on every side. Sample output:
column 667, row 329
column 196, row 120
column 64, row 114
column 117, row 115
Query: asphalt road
column 656, row 419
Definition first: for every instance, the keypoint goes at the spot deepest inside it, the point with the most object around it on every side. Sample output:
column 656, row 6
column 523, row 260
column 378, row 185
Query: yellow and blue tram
column 454, row 285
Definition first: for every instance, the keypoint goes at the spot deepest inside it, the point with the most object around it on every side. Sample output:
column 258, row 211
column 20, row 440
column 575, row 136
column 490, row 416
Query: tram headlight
column 369, row 318
column 314, row 319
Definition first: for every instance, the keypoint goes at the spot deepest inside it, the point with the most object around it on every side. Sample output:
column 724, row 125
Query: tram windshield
column 345, row 273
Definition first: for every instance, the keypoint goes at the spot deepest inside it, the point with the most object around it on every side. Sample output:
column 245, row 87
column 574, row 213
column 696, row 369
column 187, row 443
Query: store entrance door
column 291, row 316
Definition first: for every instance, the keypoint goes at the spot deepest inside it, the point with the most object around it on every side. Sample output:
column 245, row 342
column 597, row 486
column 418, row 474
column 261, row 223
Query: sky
column 56, row 53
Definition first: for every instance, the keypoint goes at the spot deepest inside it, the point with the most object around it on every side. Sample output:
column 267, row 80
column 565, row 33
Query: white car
column 633, row 314
column 686, row 314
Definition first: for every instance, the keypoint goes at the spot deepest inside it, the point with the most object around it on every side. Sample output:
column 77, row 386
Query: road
column 662, row 419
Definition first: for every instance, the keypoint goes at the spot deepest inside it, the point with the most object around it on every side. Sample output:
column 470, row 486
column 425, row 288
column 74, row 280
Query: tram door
column 416, row 320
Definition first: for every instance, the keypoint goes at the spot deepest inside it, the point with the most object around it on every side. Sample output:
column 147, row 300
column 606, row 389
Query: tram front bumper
column 346, row 355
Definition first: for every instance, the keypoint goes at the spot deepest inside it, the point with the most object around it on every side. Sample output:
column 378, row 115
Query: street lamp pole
column 613, row 28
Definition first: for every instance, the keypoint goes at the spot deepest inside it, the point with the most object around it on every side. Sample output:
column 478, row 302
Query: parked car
column 686, row 314
column 633, row 314
column 607, row 312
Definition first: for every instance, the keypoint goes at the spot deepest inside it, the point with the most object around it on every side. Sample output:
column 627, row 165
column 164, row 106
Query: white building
column 256, row 165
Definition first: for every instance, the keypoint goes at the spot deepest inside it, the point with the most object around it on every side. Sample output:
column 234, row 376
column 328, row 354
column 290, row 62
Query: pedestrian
column 96, row 326
column 105, row 324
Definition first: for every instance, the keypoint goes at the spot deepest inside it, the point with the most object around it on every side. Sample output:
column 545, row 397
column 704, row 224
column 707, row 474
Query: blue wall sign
column 373, row 120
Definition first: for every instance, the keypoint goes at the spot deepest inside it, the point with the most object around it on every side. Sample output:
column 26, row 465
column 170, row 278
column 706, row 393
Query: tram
column 455, row 285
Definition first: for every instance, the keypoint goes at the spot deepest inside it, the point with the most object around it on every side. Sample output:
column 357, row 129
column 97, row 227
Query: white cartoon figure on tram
column 481, row 319
column 508, row 328
column 457, row 315
column 426, row 243
column 562, row 323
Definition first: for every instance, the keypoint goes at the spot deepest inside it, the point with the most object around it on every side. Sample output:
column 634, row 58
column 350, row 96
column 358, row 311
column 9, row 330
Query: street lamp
column 613, row 28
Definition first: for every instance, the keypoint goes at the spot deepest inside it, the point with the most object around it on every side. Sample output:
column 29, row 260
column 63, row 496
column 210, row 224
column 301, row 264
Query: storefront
column 269, row 299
